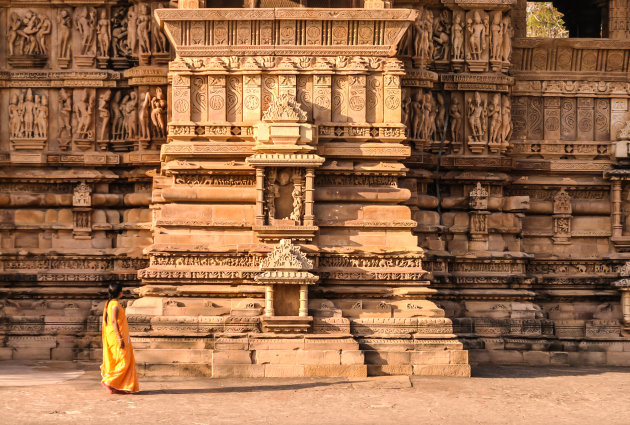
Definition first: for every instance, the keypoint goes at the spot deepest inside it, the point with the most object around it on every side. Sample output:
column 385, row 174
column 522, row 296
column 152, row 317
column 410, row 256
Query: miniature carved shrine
column 314, row 187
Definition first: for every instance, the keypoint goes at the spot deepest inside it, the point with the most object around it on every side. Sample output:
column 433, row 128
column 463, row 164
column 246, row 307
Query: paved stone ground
column 60, row 393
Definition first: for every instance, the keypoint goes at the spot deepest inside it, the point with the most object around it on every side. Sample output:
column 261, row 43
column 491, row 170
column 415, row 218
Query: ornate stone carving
column 28, row 119
column 285, row 109
column 28, row 37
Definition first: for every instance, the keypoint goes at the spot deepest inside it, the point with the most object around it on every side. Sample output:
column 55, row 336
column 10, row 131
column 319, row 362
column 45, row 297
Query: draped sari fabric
column 119, row 366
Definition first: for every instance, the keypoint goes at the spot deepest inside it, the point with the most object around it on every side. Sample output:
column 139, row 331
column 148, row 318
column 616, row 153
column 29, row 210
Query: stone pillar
column 251, row 98
column 392, row 99
column 616, row 208
column 269, row 301
column 303, row 312
column 356, row 99
column 308, row 197
column 260, row 196
column 217, row 98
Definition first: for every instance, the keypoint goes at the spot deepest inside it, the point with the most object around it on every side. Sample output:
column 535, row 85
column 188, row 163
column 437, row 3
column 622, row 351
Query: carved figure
column 161, row 45
column 132, row 31
column 477, row 40
column 145, row 131
column 508, row 33
column 440, row 115
column 158, row 110
column 83, row 110
column 458, row 37
column 104, row 114
column 117, row 117
column 476, row 117
column 86, row 26
column 432, row 118
column 29, row 114
column 81, row 196
column 41, row 116
column 104, row 34
column 120, row 43
column 27, row 34
column 15, row 117
column 455, row 114
column 297, row 202
column 143, row 21
column 64, row 30
column 271, row 193
column 441, row 35
column 506, row 120
column 416, row 108
column 405, row 110
column 131, row 115
column 494, row 116
column 427, row 107
column 65, row 111
column 496, row 37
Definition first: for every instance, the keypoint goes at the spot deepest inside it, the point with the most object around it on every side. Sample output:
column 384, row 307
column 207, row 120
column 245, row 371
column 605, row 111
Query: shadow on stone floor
column 244, row 389
column 521, row 372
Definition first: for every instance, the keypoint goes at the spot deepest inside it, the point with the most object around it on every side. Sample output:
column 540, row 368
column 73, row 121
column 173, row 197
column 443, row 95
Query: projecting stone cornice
column 285, row 31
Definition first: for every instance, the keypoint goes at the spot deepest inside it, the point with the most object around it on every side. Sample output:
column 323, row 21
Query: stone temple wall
column 261, row 195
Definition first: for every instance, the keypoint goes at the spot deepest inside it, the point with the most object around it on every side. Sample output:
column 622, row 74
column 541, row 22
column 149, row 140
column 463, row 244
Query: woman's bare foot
column 108, row 388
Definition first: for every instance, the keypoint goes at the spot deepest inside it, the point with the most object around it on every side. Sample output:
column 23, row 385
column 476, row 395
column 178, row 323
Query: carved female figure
column 297, row 202
column 160, row 39
column 15, row 23
column 271, row 193
column 104, row 34
column 142, row 30
column 85, row 25
column 29, row 114
column 477, row 40
column 494, row 116
column 83, row 110
column 29, row 31
column 132, row 30
column 145, row 132
column 440, row 115
column 427, row 107
column 496, row 40
column 104, row 114
column 441, row 29
column 405, row 110
column 455, row 114
column 158, row 109
column 458, row 37
column 64, row 30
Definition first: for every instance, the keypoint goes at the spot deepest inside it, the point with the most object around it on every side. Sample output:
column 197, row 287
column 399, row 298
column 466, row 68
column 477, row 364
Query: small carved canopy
column 562, row 203
column 478, row 197
column 286, row 265
column 286, row 256
column 285, row 109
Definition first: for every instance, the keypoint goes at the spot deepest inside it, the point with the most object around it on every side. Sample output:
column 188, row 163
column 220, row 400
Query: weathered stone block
column 316, row 357
column 230, row 357
column 348, row 371
column 382, row 370
column 351, row 357
column 617, row 359
column 537, row 358
column 442, row 370
column 238, row 370
column 283, row 371
column 285, row 357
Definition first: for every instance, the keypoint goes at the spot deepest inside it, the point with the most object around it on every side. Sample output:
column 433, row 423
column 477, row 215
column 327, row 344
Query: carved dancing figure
column 458, row 37
column 86, row 26
column 145, row 132
column 64, row 30
column 161, row 46
column 132, row 31
column 104, row 114
column 478, row 31
column 119, row 34
column 297, row 202
column 15, row 23
column 476, row 118
column 494, row 116
column 158, row 110
column 432, row 118
column 104, row 36
column 496, row 37
column 271, row 193
column 427, row 107
column 83, row 111
column 455, row 114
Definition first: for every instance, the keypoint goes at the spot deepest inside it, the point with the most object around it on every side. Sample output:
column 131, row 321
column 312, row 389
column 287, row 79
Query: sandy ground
column 60, row 393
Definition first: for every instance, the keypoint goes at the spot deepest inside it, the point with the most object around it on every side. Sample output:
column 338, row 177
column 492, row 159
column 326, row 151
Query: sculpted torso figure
column 131, row 115
column 441, row 29
column 416, row 107
column 476, row 111
column 117, row 117
column 506, row 121
column 427, row 107
column 440, row 115
column 14, row 117
column 158, row 108
column 43, row 30
column 41, row 115
column 508, row 33
column 65, row 111
column 494, row 115
column 144, row 117
column 143, row 22
column 29, row 113
column 104, row 114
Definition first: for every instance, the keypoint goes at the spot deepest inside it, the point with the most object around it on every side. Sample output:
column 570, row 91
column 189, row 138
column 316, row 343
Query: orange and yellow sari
column 119, row 366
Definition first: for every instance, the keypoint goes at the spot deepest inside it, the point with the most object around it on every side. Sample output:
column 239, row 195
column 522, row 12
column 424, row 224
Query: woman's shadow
column 243, row 389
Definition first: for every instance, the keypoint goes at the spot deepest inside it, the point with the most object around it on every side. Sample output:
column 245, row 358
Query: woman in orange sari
column 119, row 366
